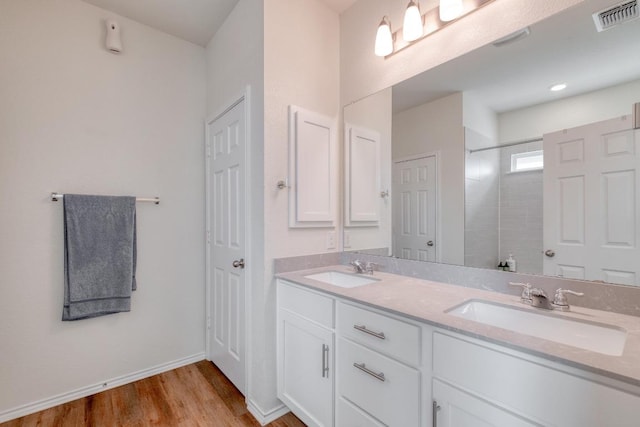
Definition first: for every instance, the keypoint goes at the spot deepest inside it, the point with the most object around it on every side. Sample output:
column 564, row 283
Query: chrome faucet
column 537, row 297
column 540, row 299
column 358, row 266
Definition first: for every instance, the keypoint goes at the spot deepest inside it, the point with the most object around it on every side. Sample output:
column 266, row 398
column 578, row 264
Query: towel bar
column 156, row 200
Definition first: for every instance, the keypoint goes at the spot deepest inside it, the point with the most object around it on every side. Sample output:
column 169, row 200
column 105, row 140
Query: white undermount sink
column 591, row 336
column 343, row 280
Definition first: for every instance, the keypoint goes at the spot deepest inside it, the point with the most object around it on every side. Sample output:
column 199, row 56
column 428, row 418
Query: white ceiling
column 192, row 20
column 563, row 48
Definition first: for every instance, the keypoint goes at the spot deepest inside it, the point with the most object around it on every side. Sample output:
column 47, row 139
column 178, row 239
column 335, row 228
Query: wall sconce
column 417, row 26
column 450, row 9
column 412, row 27
column 384, row 38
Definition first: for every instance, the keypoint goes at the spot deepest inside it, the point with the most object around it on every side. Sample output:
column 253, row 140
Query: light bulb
column 450, row 9
column 384, row 38
column 412, row 28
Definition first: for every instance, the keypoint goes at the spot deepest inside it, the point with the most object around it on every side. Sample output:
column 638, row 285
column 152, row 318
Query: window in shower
column 527, row 161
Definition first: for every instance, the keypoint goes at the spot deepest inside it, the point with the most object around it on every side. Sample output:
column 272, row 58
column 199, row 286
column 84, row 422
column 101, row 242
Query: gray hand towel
column 99, row 255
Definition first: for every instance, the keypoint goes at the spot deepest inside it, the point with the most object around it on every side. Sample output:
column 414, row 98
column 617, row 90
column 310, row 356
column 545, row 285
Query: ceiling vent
column 616, row 15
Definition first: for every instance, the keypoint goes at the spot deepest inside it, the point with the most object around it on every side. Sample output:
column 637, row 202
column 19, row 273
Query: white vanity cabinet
column 388, row 370
column 481, row 384
column 306, row 354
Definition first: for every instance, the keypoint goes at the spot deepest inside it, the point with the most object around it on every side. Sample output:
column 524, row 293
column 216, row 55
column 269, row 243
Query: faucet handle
column 370, row 267
column 560, row 298
column 526, row 291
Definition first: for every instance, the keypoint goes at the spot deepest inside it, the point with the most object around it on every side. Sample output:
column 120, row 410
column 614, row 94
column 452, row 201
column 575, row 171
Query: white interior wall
column 481, row 119
column 363, row 73
column 437, row 127
column 235, row 59
column 374, row 112
column 75, row 118
column 533, row 122
column 301, row 67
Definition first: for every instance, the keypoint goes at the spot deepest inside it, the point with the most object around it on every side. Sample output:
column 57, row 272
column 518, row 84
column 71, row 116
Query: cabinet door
column 459, row 409
column 305, row 369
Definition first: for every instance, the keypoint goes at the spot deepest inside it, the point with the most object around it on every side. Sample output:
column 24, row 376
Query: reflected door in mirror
column 415, row 208
column 591, row 202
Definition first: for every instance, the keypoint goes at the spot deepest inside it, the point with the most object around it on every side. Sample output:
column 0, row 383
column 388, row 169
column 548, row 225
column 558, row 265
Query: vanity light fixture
column 558, row 87
column 413, row 24
column 384, row 38
column 418, row 26
column 450, row 9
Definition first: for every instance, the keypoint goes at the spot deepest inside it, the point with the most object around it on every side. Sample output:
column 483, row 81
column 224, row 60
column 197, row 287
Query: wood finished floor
column 194, row 395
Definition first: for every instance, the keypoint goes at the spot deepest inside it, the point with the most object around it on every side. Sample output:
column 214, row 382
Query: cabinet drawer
column 307, row 304
column 393, row 397
column 348, row 415
column 541, row 393
column 395, row 338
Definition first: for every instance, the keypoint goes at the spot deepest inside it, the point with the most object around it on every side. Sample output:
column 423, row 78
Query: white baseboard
column 265, row 417
column 59, row 399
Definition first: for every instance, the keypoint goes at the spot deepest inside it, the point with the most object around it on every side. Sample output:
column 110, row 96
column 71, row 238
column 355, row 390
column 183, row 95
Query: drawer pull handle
column 434, row 414
column 363, row 368
column 325, row 361
column 363, row 328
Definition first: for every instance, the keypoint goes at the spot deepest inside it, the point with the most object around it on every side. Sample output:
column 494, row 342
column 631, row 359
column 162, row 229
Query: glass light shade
column 450, row 9
column 558, row 87
column 412, row 28
column 384, row 38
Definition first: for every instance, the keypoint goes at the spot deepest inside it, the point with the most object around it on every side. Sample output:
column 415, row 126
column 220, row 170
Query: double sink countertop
column 428, row 302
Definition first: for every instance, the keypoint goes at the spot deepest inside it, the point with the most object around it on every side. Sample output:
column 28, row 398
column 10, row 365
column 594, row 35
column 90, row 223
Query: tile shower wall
column 521, row 212
column 482, row 197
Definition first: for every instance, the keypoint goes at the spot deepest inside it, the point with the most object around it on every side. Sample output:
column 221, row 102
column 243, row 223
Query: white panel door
column 312, row 169
column 592, row 202
column 362, row 177
column 415, row 209
column 226, row 146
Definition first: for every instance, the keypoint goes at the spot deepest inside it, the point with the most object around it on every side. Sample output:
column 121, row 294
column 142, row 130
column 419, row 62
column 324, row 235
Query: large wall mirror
column 479, row 161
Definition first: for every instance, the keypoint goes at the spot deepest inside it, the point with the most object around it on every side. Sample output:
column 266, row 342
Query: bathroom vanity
column 401, row 351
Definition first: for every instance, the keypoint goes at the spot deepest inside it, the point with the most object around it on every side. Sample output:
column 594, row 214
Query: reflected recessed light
column 559, row 86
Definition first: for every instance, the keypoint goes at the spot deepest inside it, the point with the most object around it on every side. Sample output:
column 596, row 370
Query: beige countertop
column 428, row 301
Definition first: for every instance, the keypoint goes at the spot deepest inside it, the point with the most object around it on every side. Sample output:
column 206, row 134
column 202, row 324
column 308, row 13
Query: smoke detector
column 616, row 15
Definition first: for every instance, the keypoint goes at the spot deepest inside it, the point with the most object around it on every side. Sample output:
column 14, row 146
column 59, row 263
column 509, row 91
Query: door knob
column 430, row 243
column 239, row 263
column 550, row 253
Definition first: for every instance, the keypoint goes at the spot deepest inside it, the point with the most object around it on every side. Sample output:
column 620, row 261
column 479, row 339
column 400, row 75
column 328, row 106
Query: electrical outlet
column 331, row 240
column 347, row 239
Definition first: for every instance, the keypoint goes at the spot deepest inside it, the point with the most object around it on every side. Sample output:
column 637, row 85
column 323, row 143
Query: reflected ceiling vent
column 616, row 15
column 513, row 37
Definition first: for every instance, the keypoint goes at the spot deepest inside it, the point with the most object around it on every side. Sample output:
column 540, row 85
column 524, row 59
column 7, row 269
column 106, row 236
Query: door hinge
column 208, row 150
column 208, row 236
column 208, row 322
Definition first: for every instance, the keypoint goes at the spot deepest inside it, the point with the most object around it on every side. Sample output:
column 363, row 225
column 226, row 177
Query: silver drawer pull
column 363, row 368
column 325, row 361
column 363, row 328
